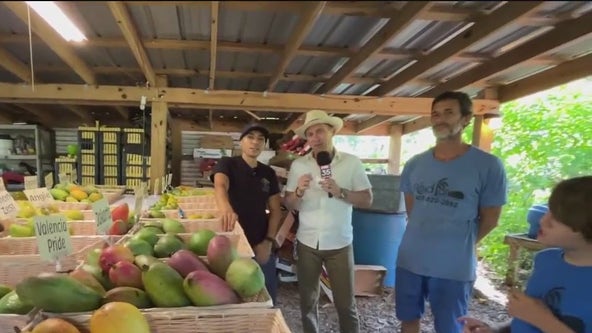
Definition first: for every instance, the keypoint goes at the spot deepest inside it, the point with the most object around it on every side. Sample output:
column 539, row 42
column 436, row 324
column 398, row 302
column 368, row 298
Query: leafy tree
column 544, row 139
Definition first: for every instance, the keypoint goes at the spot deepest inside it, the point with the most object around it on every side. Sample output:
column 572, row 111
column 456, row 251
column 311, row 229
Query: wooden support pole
column 482, row 133
column 177, row 151
column 396, row 136
column 158, row 136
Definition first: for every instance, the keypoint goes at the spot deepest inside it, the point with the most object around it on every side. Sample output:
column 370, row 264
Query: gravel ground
column 377, row 314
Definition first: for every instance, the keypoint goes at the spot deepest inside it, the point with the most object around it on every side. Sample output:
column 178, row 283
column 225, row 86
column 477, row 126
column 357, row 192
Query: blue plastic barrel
column 377, row 237
column 534, row 216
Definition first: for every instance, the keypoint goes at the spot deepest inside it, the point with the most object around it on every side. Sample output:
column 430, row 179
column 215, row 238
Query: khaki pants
column 340, row 268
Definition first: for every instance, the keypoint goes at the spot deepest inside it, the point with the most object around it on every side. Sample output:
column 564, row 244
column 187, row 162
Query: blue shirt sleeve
column 405, row 185
column 494, row 189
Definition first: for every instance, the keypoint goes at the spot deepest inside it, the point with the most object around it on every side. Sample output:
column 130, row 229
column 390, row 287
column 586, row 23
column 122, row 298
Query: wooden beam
column 176, row 150
column 410, row 12
column 122, row 111
column 565, row 33
column 5, row 117
column 225, row 99
column 293, row 121
column 395, row 145
column 52, row 39
column 371, row 123
column 158, row 136
column 482, row 133
column 560, row 74
column 42, row 115
column 417, row 124
column 485, row 26
column 124, row 20
column 213, row 51
column 15, row 66
column 308, row 18
column 79, row 111
column 252, row 114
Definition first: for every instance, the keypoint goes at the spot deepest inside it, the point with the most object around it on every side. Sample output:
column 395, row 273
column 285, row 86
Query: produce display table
column 517, row 242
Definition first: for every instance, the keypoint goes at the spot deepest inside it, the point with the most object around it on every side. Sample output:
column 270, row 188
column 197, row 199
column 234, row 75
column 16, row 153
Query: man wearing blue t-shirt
column 454, row 194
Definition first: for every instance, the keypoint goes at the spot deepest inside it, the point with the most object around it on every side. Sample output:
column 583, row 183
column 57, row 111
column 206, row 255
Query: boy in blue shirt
column 558, row 296
column 454, row 194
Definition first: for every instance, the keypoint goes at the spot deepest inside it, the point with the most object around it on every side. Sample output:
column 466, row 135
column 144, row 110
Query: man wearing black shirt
column 244, row 189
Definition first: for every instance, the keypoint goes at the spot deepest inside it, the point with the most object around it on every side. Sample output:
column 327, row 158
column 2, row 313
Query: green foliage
column 542, row 141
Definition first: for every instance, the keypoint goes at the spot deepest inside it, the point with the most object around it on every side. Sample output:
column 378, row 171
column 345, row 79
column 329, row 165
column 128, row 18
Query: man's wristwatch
column 342, row 194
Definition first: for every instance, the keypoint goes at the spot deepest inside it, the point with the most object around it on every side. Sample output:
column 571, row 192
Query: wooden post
column 158, row 136
column 177, row 151
column 482, row 133
column 396, row 134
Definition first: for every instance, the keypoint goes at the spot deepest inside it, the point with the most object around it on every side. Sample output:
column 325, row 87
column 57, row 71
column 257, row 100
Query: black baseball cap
column 254, row 127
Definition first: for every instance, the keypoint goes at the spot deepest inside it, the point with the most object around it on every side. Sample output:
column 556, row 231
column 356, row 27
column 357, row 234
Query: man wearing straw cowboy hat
column 325, row 232
column 245, row 188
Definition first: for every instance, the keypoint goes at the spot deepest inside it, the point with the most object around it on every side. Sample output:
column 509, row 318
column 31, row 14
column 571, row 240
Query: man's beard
column 444, row 133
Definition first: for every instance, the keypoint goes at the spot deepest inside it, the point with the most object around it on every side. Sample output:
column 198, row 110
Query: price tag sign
column 64, row 178
column 31, row 182
column 7, row 205
column 53, row 238
column 39, row 196
column 49, row 180
column 103, row 215
column 139, row 196
column 2, row 187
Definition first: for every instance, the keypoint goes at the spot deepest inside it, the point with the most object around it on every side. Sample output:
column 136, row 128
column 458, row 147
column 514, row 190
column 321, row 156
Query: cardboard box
column 368, row 281
column 216, row 142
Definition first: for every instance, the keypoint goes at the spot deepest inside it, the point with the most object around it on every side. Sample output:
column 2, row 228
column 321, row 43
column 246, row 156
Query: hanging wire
column 30, row 47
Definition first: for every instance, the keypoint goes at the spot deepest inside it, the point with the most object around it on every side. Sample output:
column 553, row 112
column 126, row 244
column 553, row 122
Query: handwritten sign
column 7, row 205
column 53, row 237
column 2, row 187
column 64, row 178
column 39, row 196
column 103, row 215
column 31, row 182
column 139, row 196
column 49, row 180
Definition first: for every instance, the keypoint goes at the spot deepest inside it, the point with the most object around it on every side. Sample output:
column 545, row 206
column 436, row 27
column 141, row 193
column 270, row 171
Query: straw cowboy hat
column 315, row 117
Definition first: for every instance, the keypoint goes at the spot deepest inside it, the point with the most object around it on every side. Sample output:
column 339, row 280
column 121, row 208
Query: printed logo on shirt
column 553, row 300
column 438, row 193
column 265, row 185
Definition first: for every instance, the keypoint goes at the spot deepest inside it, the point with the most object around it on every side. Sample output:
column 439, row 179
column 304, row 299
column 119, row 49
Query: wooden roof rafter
column 214, row 16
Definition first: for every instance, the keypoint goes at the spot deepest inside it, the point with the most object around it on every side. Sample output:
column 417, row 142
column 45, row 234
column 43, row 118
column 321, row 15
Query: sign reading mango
column 53, row 237
column 7, row 204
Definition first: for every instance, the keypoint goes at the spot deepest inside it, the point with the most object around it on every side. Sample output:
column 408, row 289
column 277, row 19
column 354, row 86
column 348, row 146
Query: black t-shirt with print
column 248, row 192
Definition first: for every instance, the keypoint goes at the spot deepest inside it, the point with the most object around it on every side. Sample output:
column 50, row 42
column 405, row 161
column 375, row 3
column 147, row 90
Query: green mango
column 164, row 286
column 167, row 245
column 12, row 304
column 4, row 289
column 172, row 226
column 134, row 296
column 58, row 293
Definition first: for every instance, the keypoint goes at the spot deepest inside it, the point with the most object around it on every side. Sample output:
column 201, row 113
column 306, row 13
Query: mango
column 95, row 196
column 126, row 274
column 118, row 317
column 71, row 199
column 167, row 245
column 88, row 279
column 58, row 293
column 164, row 286
column 144, row 261
column 172, row 226
column 185, row 262
column 18, row 230
column 55, row 325
column 99, row 275
column 148, row 235
column 26, row 212
column 58, row 194
column 74, row 215
column 139, row 246
column 199, row 241
column 206, row 289
column 245, row 277
column 78, row 194
column 220, row 254
column 4, row 289
column 136, row 297
column 155, row 213
column 11, row 303
column 114, row 254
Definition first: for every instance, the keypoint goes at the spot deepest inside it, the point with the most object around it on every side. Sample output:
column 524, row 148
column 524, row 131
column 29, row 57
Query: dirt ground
column 377, row 314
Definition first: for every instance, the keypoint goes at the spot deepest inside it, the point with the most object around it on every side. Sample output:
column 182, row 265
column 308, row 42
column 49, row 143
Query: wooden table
column 517, row 242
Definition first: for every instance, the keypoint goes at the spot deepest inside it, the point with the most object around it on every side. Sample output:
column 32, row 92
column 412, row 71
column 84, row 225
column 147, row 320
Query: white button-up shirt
column 324, row 221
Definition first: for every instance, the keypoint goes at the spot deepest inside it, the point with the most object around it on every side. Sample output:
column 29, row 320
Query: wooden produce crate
column 62, row 205
column 19, row 257
column 204, row 205
column 201, row 320
column 79, row 228
column 174, row 213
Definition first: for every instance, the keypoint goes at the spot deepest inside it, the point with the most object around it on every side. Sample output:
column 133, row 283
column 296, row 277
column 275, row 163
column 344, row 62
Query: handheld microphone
column 324, row 162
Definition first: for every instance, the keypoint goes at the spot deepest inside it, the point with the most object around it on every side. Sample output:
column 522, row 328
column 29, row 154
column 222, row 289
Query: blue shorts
column 449, row 299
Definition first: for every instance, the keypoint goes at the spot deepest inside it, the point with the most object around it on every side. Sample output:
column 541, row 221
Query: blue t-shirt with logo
column 440, row 237
column 565, row 289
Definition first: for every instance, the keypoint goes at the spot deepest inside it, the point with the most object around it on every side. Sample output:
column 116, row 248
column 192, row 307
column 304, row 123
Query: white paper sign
column 31, row 182
column 64, row 178
column 39, row 196
column 2, row 187
column 49, row 180
column 103, row 215
column 139, row 196
column 53, row 238
column 169, row 179
column 7, row 205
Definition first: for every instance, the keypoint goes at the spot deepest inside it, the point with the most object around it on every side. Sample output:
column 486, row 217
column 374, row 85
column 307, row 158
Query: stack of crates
column 136, row 158
column 65, row 166
column 88, row 156
column 110, row 138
